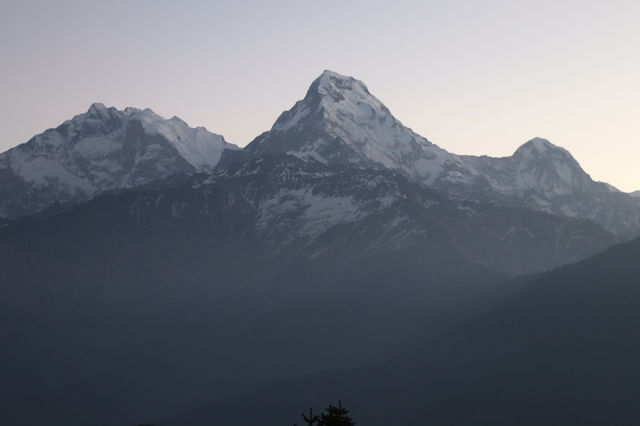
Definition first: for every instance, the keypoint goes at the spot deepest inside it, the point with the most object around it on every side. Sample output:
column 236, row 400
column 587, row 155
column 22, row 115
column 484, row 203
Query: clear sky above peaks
column 473, row 77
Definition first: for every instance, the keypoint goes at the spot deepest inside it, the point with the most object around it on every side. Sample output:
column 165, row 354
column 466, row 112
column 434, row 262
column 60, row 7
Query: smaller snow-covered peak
column 538, row 149
column 548, row 169
column 536, row 145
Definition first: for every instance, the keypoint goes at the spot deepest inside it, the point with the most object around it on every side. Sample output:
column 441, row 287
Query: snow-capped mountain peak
column 330, row 94
column 335, row 88
column 540, row 161
column 199, row 147
column 546, row 177
column 538, row 147
column 340, row 121
column 102, row 149
column 338, row 98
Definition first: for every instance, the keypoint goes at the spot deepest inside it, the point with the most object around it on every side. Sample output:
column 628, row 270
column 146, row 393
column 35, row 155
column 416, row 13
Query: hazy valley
column 153, row 272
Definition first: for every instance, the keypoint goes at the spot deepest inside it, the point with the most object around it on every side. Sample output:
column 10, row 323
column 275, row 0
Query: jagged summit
column 102, row 149
column 340, row 121
column 329, row 75
column 331, row 95
column 97, row 109
column 331, row 85
column 199, row 147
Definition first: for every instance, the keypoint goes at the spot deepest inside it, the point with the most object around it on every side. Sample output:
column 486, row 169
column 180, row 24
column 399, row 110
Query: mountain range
column 148, row 268
column 339, row 121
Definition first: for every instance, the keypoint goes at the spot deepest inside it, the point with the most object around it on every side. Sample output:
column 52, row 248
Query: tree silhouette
column 336, row 416
column 310, row 419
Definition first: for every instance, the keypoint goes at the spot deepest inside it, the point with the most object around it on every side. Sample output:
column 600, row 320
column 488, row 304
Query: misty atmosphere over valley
column 338, row 269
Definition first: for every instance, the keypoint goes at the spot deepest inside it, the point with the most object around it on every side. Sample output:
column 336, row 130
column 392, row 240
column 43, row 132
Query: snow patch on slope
column 314, row 212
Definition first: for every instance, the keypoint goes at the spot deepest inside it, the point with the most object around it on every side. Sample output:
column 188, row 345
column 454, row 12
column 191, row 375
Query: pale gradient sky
column 475, row 77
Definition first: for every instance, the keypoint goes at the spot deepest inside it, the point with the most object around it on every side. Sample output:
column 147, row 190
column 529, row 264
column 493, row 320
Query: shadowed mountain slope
column 563, row 350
